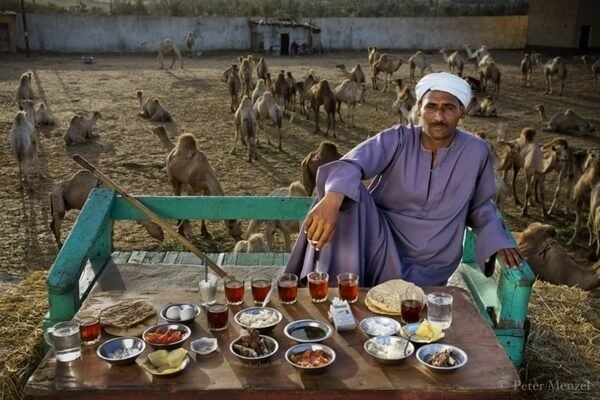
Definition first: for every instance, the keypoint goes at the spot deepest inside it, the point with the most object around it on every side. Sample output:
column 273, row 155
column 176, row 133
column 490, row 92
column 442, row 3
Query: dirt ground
column 128, row 152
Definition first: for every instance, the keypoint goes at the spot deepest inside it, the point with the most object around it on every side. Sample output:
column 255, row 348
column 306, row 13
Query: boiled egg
column 187, row 313
column 173, row 313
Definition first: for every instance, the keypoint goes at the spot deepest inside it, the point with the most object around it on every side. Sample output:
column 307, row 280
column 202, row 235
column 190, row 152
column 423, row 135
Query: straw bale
column 22, row 310
column 563, row 349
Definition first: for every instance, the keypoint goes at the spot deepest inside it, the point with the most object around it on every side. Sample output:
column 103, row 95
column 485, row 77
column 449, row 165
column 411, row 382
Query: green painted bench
column 502, row 300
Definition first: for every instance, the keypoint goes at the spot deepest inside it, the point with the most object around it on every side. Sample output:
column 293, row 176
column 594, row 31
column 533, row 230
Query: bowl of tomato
column 166, row 336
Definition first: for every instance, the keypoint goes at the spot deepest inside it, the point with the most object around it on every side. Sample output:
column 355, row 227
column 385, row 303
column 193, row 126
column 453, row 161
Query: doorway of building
column 584, row 38
column 285, row 44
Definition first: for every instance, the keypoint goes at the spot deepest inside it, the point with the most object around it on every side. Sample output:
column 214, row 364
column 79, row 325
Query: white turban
column 444, row 82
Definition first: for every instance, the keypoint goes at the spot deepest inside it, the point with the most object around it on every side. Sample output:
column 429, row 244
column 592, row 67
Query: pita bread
column 127, row 313
column 387, row 297
column 135, row 330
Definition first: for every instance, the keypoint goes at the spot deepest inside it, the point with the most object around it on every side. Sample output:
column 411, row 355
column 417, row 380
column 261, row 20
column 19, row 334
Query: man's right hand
column 322, row 219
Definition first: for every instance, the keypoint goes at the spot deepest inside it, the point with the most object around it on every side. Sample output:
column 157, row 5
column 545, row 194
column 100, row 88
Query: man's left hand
column 511, row 258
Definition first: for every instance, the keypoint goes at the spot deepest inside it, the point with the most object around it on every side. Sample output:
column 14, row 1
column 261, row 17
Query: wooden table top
column 354, row 374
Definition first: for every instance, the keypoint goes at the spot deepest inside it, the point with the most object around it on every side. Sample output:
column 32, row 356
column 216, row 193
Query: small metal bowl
column 379, row 326
column 302, row 347
column 262, row 328
column 271, row 345
column 109, row 350
column 425, row 352
column 308, row 331
column 185, row 334
column 376, row 347
column 196, row 312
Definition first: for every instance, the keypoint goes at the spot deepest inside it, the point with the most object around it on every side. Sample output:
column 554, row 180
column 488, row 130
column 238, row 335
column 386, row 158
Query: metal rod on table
column 152, row 216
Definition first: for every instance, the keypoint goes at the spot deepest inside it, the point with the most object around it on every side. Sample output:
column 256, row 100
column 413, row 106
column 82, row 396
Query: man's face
column 439, row 116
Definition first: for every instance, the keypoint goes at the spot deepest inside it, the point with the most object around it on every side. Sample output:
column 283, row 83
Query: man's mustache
column 439, row 124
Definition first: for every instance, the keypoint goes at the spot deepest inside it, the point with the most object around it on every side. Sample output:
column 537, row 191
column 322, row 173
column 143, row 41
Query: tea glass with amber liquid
column 234, row 290
column 260, row 288
column 217, row 316
column 348, row 286
column 318, row 285
column 287, row 287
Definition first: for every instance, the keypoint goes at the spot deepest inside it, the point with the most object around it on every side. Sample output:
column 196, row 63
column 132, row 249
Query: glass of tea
column 287, row 286
column 411, row 307
column 217, row 316
column 89, row 329
column 234, row 290
column 260, row 287
column 318, row 284
column 348, row 286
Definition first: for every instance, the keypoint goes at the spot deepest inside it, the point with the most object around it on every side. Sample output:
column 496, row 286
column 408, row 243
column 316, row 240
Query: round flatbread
column 135, row 330
column 387, row 297
column 127, row 313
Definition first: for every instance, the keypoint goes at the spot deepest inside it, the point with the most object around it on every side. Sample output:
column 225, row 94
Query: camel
column 167, row 48
column 594, row 68
column 24, row 90
column 28, row 106
column 24, row 144
column 373, row 57
column 583, row 188
column 286, row 227
column 190, row 43
column 475, row 84
column 292, row 85
column 269, row 83
column 71, row 194
column 566, row 122
column 527, row 63
column 80, row 129
column 386, row 65
column 267, row 109
column 262, row 68
column 259, row 90
column 234, row 86
column 501, row 188
column 455, row 61
column 476, row 57
column 490, row 72
column 555, row 66
column 594, row 219
column 283, row 92
column 326, row 152
column 152, row 109
column 350, row 93
column 418, row 60
column 246, row 74
column 355, row 75
column 405, row 103
column 302, row 90
column 245, row 128
column 43, row 116
column 568, row 162
column 256, row 243
column 321, row 93
column 550, row 262
column 487, row 107
column 187, row 165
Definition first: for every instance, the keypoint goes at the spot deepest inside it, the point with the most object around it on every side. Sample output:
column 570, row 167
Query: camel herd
column 262, row 103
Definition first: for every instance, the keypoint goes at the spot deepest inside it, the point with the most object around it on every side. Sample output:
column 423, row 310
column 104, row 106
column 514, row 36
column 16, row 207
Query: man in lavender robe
column 429, row 182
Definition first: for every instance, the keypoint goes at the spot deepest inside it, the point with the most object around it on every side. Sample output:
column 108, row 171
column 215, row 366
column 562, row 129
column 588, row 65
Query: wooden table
column 489, row 373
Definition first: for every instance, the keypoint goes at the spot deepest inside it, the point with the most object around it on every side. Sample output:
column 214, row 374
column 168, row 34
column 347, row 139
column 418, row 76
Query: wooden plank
column 215, row 207
column 354, row 375
column 137, row 257
column 170, row 257
column 120, row 257
column 153, row 257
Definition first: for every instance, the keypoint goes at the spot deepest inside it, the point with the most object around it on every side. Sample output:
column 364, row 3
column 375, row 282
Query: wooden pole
column 25, row 28
column 153, row 217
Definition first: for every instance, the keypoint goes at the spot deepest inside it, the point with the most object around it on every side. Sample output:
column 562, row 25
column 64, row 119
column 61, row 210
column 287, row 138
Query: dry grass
column 563, row 347
column 22, row 310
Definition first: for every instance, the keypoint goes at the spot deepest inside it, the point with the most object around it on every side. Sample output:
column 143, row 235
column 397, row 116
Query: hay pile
column 563, row 350
column 22, row 311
